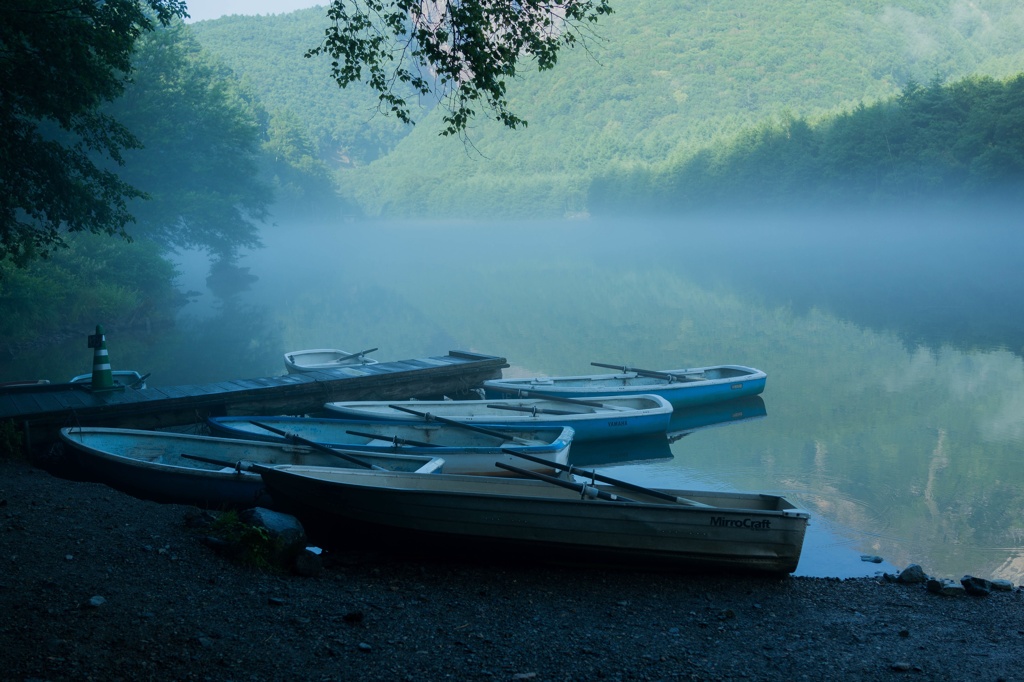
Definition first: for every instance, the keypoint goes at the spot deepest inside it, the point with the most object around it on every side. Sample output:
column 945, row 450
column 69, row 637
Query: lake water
column 894, row 408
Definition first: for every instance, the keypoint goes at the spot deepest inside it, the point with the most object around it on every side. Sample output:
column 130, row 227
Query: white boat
column 201, row 470
column 681, row 387
column 315, row 359
column 524, row 517
column 122, row 377
column 609, row 418
column 466, row 449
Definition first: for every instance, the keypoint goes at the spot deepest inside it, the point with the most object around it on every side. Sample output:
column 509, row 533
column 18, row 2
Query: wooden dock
column 39, row 412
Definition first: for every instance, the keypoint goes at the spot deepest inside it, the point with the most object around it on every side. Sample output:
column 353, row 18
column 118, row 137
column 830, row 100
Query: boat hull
column 151, row 465
column 719, row 383
column 464, row 451
column 316, row 359
column 621, row 417
column 741, row 531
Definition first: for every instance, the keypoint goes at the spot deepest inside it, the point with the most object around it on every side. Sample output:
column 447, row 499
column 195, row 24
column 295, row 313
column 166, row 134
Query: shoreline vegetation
column 98, row 584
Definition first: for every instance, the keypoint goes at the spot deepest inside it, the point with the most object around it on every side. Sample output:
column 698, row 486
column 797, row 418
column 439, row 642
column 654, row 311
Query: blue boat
column 465, row 449
column 681, row 387
column 182, row 468
column 611, row 418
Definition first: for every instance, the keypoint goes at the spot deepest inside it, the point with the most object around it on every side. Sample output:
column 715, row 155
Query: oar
column 582, row 488
column 320, row 446
column 355, row 355
column 394, row 439
column 237, row 466
column 532, row 410
column 668, row 376
column 607, row 479
column 463, row 425
column 524, row 393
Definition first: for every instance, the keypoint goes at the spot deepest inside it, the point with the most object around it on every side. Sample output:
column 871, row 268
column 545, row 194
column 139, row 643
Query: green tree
column 60, row 60
column 200, row 140
column 461, row 51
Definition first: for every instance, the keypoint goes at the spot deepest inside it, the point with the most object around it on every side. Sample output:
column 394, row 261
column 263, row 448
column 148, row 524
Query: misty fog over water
column 894, row 408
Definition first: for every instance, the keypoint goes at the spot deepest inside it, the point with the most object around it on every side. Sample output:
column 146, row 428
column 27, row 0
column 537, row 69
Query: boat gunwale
column 551, row 383
column 357, row 360
column 558, row 444
column 437, row 483
column 152, row 465
column 349, row 407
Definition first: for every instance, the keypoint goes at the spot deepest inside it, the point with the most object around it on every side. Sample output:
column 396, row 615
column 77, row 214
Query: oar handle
column 319, row 446
column 608, row 479
column 394, row 439
column 456, row 423
column 582, row 488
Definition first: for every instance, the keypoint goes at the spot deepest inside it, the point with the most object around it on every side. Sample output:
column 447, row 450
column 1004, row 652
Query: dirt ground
column 98, row 585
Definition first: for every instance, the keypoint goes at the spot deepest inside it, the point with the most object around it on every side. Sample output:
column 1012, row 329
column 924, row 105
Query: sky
column 213, row 9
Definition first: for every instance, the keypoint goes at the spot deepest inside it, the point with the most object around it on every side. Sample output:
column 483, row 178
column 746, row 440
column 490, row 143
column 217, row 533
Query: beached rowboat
column 681, row 387
column 688, row 529
column 202, row 470
column 615, row 417
column 466, row 449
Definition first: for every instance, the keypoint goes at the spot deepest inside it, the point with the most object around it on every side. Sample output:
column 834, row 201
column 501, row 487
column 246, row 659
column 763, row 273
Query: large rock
column 912, row 574
column 283, row 529
column 979, row 587
column 945, row 586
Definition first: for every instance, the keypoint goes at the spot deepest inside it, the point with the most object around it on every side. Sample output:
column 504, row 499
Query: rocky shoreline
column 99, row 585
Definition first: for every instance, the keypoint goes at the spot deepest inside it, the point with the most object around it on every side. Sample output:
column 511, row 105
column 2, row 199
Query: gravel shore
column 99, row 585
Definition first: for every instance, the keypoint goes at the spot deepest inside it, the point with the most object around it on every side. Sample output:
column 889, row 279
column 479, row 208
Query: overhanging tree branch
column 462, row 52
column 60, row 60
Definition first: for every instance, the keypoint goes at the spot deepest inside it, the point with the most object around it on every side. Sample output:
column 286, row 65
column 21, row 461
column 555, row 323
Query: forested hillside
column 935, row 142
column 661, row 81
column 341, row 127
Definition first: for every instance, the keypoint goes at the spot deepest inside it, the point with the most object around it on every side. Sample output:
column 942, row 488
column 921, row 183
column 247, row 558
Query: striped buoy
column 102, row 377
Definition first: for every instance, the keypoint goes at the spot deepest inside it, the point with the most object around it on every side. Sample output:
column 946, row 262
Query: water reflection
column 902, row 449
column 228, row 279
column 686, row 421
column 620, row 451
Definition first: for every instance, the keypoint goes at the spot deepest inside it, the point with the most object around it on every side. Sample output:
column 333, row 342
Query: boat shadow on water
column 688, row 420
column 656, row 446
column 620, row 451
